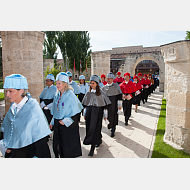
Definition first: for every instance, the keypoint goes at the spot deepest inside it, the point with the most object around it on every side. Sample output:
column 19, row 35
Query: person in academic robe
column 94, row 101
column 151, row 84
column 73, row 84
column 103, row 77
column 83, row 87
column 128, row 89
column 25, row 125
column 137, row 96
column 146, row 87
column 65, row 110
column 46, row 97
column 142, row 83
column 118, row 79
column 113, row 91
column 100, row 83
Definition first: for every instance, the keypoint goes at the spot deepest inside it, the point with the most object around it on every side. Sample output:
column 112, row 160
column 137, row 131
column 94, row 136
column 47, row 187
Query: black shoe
column 112, row 134
column 91, row 151
column 126, row 123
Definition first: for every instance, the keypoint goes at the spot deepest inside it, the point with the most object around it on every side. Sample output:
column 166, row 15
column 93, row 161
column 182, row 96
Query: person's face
column 126, row 78
column 49, row 82
column 135, row 80
column 145, row 77
column 140, row 77
column 109, row 80
column 103, row 79
column 119, row 75
column 14, row 95
column 93, row 85
column 70, row 79
column 61, row 85
column 81, row 81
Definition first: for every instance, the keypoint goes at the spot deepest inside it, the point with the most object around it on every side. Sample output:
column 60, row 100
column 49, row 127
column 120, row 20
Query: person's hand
column 45, row 108
column 61, row 122
column 84, row 118
column 105, row 119
column 50, row 126
column 8, row 150
column 119, row 108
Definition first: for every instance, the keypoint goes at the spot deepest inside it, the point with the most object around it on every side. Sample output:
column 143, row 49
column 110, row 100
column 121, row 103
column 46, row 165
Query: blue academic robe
column 75, row 87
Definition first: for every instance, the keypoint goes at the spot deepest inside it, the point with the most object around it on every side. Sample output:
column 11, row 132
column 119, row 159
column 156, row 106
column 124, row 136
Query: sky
column 106, row 40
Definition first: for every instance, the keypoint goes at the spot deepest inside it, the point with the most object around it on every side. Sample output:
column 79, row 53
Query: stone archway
column 158, row 61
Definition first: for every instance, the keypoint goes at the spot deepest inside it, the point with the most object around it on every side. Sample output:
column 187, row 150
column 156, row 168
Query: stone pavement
column 133, row 141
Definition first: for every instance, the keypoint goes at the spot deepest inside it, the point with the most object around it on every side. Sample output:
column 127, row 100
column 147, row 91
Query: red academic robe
column 142, row 82
column 147, row 82
column 104, row 83
column 138, row 85
column 128, row 88
column 118, row 79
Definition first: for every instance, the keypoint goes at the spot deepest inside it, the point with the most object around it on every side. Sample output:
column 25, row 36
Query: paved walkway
column 133, row 141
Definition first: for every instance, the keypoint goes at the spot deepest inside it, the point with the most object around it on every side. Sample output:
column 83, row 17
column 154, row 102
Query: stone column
column 100, row 63
column 177, row 59
column 22, row 53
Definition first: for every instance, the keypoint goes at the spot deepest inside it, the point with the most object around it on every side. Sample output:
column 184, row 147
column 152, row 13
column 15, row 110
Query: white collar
column 126, row 82
column 93, row 90
column 48, row 86
column 70, row 82
column 19, row 105
column 109, row 84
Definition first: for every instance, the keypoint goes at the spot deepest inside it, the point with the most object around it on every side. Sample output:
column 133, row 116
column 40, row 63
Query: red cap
column 118, row 73
column 135, row 77
column 145, row 75
column 104, row 76
column 140, row 74
column 127, row 74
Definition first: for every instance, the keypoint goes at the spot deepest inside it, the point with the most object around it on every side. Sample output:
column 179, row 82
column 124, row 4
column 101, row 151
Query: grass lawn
column 1, row 96
column 161, row 149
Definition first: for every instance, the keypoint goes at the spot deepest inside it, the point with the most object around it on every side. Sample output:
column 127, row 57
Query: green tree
column 50, row 45
column 53, row 71
column 188, row 35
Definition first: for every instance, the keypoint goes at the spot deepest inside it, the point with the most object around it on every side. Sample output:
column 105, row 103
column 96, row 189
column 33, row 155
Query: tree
column 50, row 45
column 188, row 35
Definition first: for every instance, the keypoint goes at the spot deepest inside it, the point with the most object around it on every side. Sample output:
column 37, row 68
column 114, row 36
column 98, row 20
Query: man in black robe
column 113, row 91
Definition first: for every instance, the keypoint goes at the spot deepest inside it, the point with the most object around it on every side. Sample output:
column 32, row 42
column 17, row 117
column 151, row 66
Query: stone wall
column 22, row 53
column 177, row 59
column 100, row 63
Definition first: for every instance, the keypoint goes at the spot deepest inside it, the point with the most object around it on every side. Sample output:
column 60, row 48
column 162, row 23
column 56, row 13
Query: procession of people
column 28, row 124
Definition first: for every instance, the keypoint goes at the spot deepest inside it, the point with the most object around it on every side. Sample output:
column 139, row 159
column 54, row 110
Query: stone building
column 132, row 59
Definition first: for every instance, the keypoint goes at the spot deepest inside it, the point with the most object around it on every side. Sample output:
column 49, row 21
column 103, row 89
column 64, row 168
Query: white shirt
column 93, row 90
column 109, row 84
column 19, row 105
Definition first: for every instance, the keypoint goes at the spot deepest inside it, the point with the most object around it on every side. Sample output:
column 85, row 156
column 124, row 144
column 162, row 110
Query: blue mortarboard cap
column 51, row 77
column 69, row 74
column 15, row 81
column 62, row 77
column 81, row 77
column 110, row 75
column 95, row 78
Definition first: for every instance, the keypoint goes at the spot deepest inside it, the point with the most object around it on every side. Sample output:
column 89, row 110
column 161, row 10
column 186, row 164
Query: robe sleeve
column 50, row 106
column 67, row 121
column 42, row 104
column 52, row 121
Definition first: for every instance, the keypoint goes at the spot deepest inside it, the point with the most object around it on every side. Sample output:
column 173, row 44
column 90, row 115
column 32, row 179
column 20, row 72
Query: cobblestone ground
column 133, row 141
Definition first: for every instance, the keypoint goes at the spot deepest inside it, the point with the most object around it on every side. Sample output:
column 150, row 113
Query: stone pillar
column 22, row 53
column 177, row 59
column 100, row 63
column 46, row 63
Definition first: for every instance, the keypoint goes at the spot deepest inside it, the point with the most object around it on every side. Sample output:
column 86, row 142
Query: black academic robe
column 94, row 114
column 47, row 112
column 67, row 139
column 38, row 149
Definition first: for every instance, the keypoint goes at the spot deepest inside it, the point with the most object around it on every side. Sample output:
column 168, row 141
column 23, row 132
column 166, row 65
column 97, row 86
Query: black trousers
column 127, row 105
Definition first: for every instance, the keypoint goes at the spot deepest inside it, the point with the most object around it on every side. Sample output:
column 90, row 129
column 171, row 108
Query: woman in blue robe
column 65, row 110
column 25, row 125
column 46, row 97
